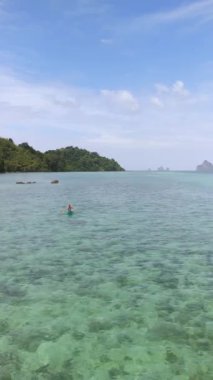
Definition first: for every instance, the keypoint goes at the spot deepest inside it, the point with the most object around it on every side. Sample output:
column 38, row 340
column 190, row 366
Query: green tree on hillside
column 24, row 158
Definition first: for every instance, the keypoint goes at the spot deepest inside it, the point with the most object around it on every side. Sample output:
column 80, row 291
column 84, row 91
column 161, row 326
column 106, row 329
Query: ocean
column 121, row 289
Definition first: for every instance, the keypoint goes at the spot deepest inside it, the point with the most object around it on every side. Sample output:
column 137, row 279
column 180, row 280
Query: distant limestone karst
column 205, row 167
column 162, row 169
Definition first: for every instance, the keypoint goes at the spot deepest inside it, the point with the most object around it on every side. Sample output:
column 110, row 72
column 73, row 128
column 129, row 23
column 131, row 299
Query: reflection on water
column 121, row 289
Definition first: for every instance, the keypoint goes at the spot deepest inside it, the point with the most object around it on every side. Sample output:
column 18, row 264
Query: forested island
column 24, row 158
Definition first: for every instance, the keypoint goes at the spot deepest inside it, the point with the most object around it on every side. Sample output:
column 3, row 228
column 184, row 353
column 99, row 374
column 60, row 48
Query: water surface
column 122, row 289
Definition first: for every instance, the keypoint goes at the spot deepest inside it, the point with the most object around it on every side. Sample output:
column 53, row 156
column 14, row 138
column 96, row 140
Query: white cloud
column 196, row 9
column 122, row 98
column 179, row 88
column 49, row 115
column 106, row 41
column 165, row 93
column 156, row 101
column 199, row 12
column 161, row 88
column 130, row 142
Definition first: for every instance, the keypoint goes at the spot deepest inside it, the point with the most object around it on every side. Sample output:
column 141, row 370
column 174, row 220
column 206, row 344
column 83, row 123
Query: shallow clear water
column 122, row 289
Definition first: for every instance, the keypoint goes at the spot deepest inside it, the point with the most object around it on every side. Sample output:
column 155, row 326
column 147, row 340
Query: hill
column 24, row 158
column 205, row 167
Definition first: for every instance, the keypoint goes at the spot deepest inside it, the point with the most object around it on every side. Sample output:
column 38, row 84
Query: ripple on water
column 121, row 290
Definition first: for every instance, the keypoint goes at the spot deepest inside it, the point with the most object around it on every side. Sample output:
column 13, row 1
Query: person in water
column 69, row 207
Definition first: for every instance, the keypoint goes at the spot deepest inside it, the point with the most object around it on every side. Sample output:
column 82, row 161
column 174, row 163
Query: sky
column 129, row 79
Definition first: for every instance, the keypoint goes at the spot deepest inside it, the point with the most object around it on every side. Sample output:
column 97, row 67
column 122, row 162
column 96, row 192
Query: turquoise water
column 121, row 289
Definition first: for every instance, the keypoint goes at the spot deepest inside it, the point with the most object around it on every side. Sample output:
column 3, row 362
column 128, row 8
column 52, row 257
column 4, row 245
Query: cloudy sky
column 129, row 79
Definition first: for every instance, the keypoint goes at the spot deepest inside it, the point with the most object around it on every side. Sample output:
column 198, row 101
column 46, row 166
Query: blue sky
column 132, row 80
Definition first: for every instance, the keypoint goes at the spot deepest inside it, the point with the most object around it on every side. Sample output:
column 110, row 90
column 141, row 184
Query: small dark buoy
column 55, row 181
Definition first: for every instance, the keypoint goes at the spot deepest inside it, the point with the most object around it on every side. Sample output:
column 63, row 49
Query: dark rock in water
column 122, row 280
column 9, row 358
column 167, row 280
column 29, row 339
column 97, row 325
column 12, row 290
column 123, row 320
column 5, row 374
column 25, row 183
column 202, row 344
column 171, row 357
column 168, row 331
column 205, row 167
column 55, row 181
column 27, row 342
column 123, row 338
column 114, row 373
column 4, row 326
column 78, row 335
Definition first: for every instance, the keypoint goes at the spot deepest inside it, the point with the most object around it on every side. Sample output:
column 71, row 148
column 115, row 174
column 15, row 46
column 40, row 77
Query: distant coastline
column 24, row 158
